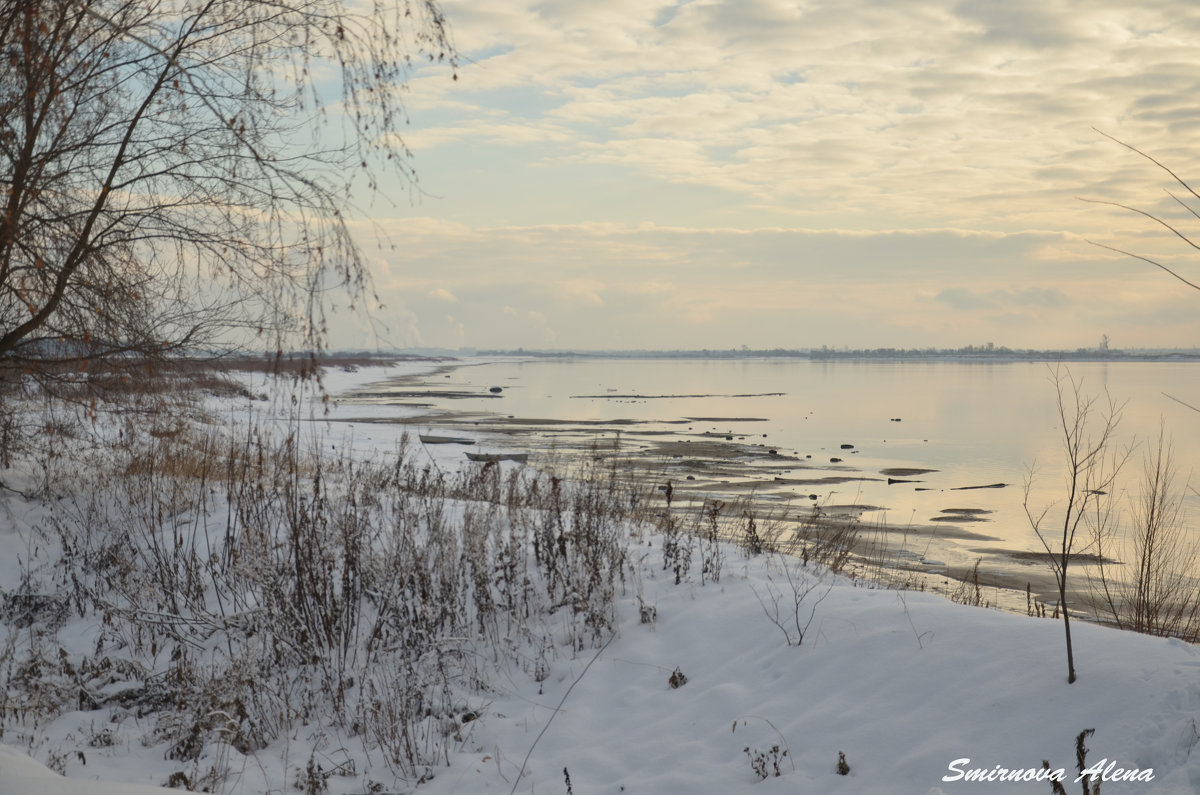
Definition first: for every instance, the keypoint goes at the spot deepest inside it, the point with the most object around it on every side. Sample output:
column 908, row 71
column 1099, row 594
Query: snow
column 20, row 775
column 902, row 683
column 901, row 700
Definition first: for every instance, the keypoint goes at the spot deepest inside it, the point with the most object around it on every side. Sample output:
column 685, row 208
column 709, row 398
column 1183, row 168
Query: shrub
column 765, row 764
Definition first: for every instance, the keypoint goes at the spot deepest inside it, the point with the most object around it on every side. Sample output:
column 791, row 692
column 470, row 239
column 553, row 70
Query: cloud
column 647, row 286
column 931, row 113
column 660, row 174
column 968, row 299
column 585, row 291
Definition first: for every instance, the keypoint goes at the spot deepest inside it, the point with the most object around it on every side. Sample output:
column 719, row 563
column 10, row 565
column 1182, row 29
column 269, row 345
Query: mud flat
column 725, row 456
column 677, row 397
column 963, row 515
column 905, row 472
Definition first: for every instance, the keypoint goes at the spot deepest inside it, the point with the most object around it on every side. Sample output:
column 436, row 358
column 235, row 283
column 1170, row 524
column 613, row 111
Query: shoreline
column 745, row 473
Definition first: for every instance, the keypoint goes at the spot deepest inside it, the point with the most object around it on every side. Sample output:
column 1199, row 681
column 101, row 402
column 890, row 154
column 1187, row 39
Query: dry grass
column 244, row 584
column 1157, row 591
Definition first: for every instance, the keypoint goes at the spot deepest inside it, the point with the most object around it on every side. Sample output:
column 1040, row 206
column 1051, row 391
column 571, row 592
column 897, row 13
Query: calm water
column 976, row 424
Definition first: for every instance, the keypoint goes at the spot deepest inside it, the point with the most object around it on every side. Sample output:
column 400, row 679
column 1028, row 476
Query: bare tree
column 1091, row 468
column 175, row 174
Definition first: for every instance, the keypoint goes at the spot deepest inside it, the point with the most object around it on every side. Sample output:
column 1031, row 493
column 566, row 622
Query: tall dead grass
column 244, row 585
column 1156, row 591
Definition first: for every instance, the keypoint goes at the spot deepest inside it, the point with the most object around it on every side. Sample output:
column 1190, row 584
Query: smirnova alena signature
column 1104, row 770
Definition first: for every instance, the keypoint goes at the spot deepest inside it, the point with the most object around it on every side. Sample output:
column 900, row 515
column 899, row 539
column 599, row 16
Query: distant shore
column 967, row 354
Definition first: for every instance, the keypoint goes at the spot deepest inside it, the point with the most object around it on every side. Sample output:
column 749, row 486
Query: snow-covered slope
column 903, row 683
column 906, row 685
column 20, row 775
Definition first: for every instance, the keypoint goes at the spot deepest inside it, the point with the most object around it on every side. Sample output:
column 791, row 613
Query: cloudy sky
column 794, row 173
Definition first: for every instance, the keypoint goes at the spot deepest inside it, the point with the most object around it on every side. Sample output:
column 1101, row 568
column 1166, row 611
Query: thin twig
column 562, row 701
column 1180, row 402
column 1133, row 148
column 1155, row 263
column 1151, row 216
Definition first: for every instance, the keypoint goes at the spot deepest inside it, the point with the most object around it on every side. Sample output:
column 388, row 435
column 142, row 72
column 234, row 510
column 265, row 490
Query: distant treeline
column 974, row 352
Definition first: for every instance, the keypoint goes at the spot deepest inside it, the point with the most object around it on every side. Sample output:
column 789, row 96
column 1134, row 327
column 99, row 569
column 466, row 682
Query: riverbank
column 934, row 506
column 749, row 664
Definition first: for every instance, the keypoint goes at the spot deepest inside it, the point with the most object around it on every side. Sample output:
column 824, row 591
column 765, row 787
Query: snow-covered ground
column 919, row 694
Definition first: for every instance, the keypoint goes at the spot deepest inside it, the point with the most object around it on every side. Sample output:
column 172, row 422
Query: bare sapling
column 1091, row 467
column 792, row 595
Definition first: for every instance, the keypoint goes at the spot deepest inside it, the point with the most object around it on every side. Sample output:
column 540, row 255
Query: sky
column 783, row 173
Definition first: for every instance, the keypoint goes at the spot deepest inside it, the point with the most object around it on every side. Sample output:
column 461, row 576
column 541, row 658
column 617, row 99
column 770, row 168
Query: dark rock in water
column 496, row 390
column 835, row 460
column 808, row 456
column 772, row 452
column 847, row 447
column 691, row 477
column 895, row 419
column 812, row 496
column 962, row 515
column 905, row 472
column 729, row 438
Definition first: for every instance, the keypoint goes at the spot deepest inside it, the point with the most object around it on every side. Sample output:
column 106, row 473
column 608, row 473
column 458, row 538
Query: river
column 934, row 454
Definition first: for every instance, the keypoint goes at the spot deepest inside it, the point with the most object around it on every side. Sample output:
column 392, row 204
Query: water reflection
column 934, row 451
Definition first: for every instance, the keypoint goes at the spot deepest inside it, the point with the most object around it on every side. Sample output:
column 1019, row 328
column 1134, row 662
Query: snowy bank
column 20, row 775
column 903, row 683
column 904, row 686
